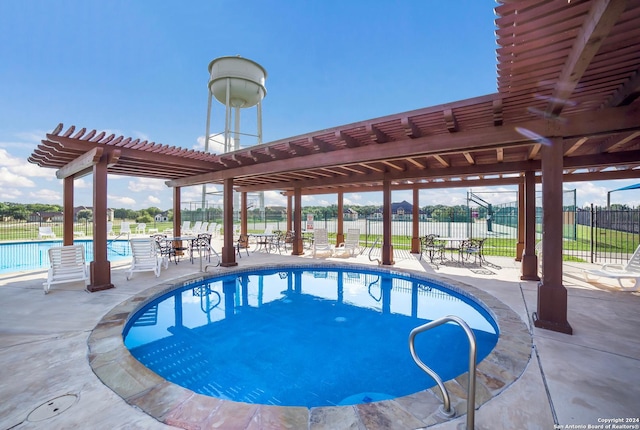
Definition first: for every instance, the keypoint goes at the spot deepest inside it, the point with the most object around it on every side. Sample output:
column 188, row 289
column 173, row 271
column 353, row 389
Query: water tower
column 237, row 83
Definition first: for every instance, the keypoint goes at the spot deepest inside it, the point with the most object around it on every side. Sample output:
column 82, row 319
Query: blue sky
column 139, row 68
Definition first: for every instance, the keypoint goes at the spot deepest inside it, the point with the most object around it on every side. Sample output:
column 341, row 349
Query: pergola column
column 552, row 295
column 520, row 244
column 415, row 237
column 67, row 214
column 228, row 248
column 387, row 247
column 243, row 213
column 298, row 249
column 289, row 213
column 100, row 267
column 529, row 258
column 177, row 214
column 340, row 232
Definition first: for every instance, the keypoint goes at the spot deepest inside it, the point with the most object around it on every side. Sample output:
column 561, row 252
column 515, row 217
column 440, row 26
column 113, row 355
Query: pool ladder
column 447, row 409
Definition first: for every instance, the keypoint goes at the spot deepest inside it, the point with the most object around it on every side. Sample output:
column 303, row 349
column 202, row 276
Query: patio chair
column 165, row 249
column 630, row 271
column 472, row 248
column 321, row 242
column 242, row 243
column 141, row 228
column 351, row 243
column 144, row 256
column 284, row 240
column 186, row 227
column 67, row 264
column 125, row 228
column 46, row 232
column 201, row 245
column 431, row 247
column 110, row 229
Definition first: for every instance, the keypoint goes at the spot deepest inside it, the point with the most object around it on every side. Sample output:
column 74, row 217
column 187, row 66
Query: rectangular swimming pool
column 33, row 255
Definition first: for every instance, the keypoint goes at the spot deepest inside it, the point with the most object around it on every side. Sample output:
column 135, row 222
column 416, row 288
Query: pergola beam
column 82, row 165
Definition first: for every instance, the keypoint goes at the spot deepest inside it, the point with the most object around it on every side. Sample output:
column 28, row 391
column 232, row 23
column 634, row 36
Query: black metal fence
column 595, row 234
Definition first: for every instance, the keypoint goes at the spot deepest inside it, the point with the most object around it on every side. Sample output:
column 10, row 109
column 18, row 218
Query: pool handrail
column 371, row 250
column 471, row 386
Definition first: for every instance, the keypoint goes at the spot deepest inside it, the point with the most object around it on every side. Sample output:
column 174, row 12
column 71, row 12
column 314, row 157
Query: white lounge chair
column 193, row 230
column 144, row 256
column 321, row 242
column 141, row 228
column 67, row 264
column 630, row 271
column 125, row 228
column 46, row 232
column 110, row 229
column 351, row 243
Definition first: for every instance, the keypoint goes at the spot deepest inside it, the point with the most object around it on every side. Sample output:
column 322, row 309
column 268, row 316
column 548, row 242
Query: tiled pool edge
column 180, row 407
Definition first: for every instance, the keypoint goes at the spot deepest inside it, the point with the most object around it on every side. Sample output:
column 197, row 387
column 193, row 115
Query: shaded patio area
column 568, row 379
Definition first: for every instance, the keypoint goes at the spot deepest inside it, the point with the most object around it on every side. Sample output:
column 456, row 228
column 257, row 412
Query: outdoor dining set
column 460, row 250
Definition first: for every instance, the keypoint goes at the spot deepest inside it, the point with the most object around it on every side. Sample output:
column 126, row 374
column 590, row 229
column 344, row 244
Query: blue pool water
column 296, row 337
column 18, row 256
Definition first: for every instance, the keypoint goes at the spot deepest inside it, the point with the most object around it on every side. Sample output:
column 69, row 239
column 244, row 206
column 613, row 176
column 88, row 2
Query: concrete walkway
column 585, row 379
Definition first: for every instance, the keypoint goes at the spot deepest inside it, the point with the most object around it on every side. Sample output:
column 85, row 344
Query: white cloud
column 146, row 184
column 216, row 144
column 46, row 196
column 82, row 183
column 153, row 200
column 9, row 193
column 118, row 201
column 274, row 198
column 10, row 179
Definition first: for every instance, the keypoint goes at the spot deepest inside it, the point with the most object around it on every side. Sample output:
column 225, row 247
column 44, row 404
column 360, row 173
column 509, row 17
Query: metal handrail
column 471, row 387
column 371, row 250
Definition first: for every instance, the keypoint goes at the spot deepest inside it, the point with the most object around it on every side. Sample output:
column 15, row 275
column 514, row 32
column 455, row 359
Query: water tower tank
column 244, row 78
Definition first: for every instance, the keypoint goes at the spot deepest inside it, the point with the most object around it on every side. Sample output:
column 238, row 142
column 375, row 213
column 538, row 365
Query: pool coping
column 180, row 407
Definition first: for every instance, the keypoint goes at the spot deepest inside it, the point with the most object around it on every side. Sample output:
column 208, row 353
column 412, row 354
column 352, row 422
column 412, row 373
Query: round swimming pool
column 312, row 337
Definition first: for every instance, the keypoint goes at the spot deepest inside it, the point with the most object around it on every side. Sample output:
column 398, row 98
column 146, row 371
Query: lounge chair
column 195, row 229
column 351, row 243
column 110, row 229
column 630, row 271
column 125, row 228
column 144, row 256
column 186, row 227
column 46, row 232
column 141, row 228
column 67, row 264
column 321, row 242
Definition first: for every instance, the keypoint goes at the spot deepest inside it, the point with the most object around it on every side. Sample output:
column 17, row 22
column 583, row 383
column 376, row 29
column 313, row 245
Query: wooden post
column 289, row 213
column 552, row 295
column 529, row 264
column 177, row 214
column 67, row 214
column 298, row 248
column 228, row 248
column 243, row 213
column 415, row 234
column 340, row 232
column 521, row 210
column 387, row 247
column 100, row 267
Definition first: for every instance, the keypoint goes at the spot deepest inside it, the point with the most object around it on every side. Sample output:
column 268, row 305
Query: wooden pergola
column 566, row 109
